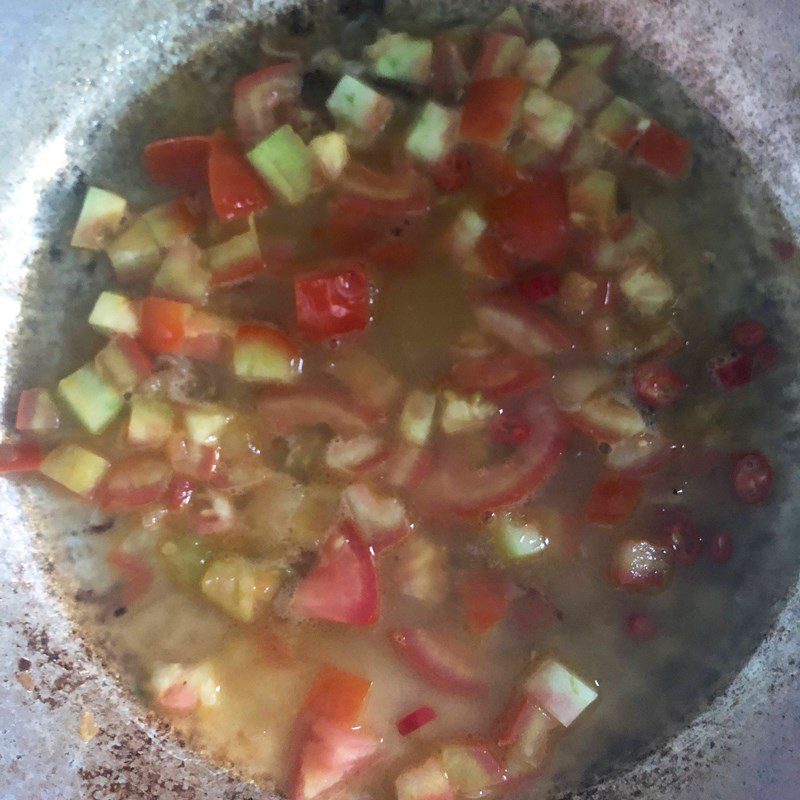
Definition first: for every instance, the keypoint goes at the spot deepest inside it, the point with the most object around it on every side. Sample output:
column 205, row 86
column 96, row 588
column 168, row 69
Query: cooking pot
column 87, row 83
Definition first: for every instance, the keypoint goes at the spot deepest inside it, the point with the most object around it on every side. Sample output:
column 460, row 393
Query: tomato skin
column 532, row 221
column 453, row 172
column 236, row 190
column 181, row 162
column 163, row 324
column 539, row 287
column 657, row 384
column 748, row 334
column 20, row 457
column 751, row 477
column 333, row 302
column 612, row 500
column 489, row 109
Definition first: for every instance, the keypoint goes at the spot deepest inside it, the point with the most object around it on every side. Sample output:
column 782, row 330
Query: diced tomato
column 525, row 732
column 721, row 548
column 539, row 287
column 162, row 324
column 656, row 384
column 180, row 162
column 748, row 334
column 135, row 481
column 641, row 565
column 752, row 478
column 137, row 574
column 641, row 626
column 509, row 430
column 527, row 330
column 732, row 370
column 207, row 337
column 337, row 696
column 235, row 187
column 449, row 74
column 664, row 150
column 179, row 492
column 380, row 519
column 612, row 500
column 259, row 99
column 493, row 170
column 441, row 660
column 415, row 720
column 456, row 488
column 343, row 585
column 498, row 375
column 533, row 220
column 20, row 457
column 486, row 599
column 490, row 110
column 329, row 754
column 453, row 172
column 285, row 409
column 197, row 461
column 332, row 303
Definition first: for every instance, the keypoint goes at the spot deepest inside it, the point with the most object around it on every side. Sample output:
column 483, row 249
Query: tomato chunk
column 332, row 303
column 20, row 457
column 337, row 695
column 490, row 110
column 235, row 187
column 612, row 500
column 486, row 600
column 664, row 150
column 181, row 162
column 162, row 324
column 657, row 384
column 343, row 585
column 532, row 221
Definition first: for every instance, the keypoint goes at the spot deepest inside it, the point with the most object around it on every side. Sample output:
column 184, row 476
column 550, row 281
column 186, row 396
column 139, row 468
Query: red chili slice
column 441, row 660
column 236, row 190
column 656, row 384
column 721, row 548
column 181, row 162
column 752, row 478
column 343, row 585
column 498, row 375
column 509, row 430
column 455, row 488
column 415, row 720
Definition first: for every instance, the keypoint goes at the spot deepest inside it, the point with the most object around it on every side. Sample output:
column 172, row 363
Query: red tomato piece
column 485, row 597
column 441, row 660
column 452, row 173
column 748, row 335
column 343, row 585
column 732, row 370
column 415, row 720
column 493, row 170
column 287, row 408
column 664, row 150
column 532, row 221
column 499, row 374
column 329, row 754
column 20, row 457
column 235, row 187
column 137, row 574
column 332, row 303
column 540, row 287
column 259, row 99
column 721, row 548
column 449, row 74
column 509, row 430
column 163, row 324
column 207, row 337
column 455, row 488
column 181, row 162
column 490, row 109
column 135, row 481
column 752, row 478
column 656, row 384
column 641, row 626
column 337, row 695
column 612, row 500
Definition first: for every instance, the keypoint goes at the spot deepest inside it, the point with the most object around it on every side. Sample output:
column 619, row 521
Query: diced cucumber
column 102, row 216
column 546, row 120
column 593, row 199
column 36, row 411
column 416, row 418
column 237, row 584
column 465, row 231
column 460, row 413
column 598, row 54
column 76, row 468
column 508, row 21
column 620, row 123
column 400, row 57
column 151, row 422
column 114, row 313
column 500, row 57
column 171, row 221
column 135, row 254
column 330, row 153
column 235, row 259
column 123, row 363
column 94, row 401
column 284, row 161
column 182, row 276
column 428, row 781
column 645, row 288
column 265, row 356
column 582, row 89
column 559, row 691
column 540, row 62
column 204, row 424
column 526, row 533
column 186, row 559
column 434, row 134
column 360, row 112
column 422, row 570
